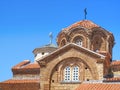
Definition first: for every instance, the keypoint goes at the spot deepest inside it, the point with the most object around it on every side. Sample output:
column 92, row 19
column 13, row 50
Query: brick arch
column 63, row 42
column 98, row 42
column 103, row 33
column 90, row 65
column 61, row 36
column 66, row 62
column 83, row 39
column 78, row 32
column 110, row 43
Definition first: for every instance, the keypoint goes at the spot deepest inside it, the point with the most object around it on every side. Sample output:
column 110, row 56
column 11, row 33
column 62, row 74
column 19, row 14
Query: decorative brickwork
column 93, row 36
column 70, row 54
column 82, row 61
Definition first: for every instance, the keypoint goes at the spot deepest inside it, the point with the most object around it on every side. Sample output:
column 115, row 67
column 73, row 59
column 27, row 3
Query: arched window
column 79, row 41
column 71, row 74
column 63, row 42
column 75, row 72
column 67, row 73
column 98, row 43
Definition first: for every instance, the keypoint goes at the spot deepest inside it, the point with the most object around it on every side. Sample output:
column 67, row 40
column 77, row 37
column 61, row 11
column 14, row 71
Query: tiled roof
column 25, row 62
column 84, row 23
column 115, row 63
column 26, row 67
column 12, row 81
column 115, row 79
column 20, row 85
column 115, row 66
column 98, row 86
column 32, row 65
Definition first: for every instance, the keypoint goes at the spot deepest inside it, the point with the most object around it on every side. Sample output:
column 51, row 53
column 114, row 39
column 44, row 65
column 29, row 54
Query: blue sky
column 25, row 25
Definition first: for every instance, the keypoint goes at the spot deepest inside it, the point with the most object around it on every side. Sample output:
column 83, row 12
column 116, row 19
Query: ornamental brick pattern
column 83, row 44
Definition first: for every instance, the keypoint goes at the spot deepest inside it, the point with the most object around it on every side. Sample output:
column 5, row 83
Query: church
column 82, row 60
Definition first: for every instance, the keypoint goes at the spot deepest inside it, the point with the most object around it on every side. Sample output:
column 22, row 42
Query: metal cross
column 51, row 37
column 85, row 12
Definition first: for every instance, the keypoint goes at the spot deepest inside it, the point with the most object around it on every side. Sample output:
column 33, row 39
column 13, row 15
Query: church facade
column 83, row 58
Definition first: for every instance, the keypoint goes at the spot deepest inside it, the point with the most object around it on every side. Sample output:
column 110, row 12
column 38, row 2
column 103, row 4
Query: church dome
column 86, row 33
column 84, row 23
column 43, row 51
column 47, row 48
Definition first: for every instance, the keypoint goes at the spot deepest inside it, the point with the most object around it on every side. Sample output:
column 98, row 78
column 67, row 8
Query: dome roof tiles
column 84, row 23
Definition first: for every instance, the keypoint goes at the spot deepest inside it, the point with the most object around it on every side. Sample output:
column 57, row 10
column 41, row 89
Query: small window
column 52, row 81
column 86, row 68
column 67, row 73
column 87, row 79
column 96, row 50
column 71, row 73
column 75, row 72
column 79, row 42
column 43, row 53
column 63, row 42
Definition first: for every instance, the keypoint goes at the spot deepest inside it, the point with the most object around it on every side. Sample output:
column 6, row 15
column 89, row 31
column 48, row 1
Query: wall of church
column 58, row 86
column 57, row 82
column 87, row 75
column 26, row 76
column 116, row 70
column 41, row 55
column 52, row 74
column 116, row 73
column 100, row 70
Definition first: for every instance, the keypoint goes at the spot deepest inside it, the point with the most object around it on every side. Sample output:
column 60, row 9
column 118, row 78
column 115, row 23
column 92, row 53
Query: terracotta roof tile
column 26, row 65
column 21, row 64
column 11, row 81
column 32, row 65
column 20, row 85
column 100, row 86
column 115, row 63
column 84, row 23
column 115, row 66
column 115, row 79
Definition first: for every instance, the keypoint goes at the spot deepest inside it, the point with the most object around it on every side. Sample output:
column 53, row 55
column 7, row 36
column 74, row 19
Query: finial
column 85, row 12
column 51, row 37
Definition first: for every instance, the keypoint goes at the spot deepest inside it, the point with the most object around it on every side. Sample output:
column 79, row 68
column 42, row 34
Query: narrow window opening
column 88, row 79
column 56, row 69
column 86, row 68
column 71, row 74
column 79, row 42
column 52, row 81
column 43, row 53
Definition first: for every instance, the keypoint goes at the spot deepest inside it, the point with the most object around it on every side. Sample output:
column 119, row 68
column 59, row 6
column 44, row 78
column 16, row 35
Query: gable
column 53, row 65
column 69, row 49
column 87, row 57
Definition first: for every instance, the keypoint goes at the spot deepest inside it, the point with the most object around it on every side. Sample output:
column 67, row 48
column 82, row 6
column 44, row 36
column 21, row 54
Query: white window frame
column 79, row 42
column 71, row 74
column 75, row 73
column 67, row 73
